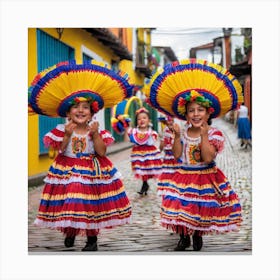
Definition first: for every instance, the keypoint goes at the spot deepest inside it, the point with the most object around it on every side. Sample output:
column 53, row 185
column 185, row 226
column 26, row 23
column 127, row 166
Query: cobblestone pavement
column 145, row 235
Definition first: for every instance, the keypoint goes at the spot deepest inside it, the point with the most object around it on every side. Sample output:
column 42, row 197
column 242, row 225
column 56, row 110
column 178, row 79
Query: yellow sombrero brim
column 177, row 80
column 53, row 90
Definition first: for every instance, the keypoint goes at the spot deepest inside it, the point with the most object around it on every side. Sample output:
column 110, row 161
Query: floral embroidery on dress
column 78, row 145
column 194, row 154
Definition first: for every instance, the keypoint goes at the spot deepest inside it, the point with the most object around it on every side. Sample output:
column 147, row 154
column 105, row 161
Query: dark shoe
column 197, row 241
column 144, row 188
column 91, row 244
column 69, row 241
column 242, row 144
column 183, row 243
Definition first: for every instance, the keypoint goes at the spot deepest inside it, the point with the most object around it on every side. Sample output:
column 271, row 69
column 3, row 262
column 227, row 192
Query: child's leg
column 144, row 187
column 70, row 237
column 197, row 240
column 91, row 244
column 183, row 243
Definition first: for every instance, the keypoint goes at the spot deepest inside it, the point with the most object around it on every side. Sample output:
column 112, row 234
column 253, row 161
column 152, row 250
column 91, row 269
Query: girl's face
column 80, row 113
column 143, row 120
column 196, row 114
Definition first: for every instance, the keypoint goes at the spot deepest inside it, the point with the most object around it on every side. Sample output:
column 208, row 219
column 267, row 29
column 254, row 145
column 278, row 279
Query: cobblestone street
column 145, row 234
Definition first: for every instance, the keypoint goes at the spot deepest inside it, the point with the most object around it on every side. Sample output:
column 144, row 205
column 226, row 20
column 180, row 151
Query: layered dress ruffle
column 198, row 196
column 169, row 163
column 146, row 158
column 83, row 191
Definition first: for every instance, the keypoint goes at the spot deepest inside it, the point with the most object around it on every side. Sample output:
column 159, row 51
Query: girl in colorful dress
column 83, row 191
column 198, row 199
column 146, row 159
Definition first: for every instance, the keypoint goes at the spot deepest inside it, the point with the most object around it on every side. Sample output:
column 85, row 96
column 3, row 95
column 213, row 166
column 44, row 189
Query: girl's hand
column 177, row 130
column 69, row 128
column 204, row 129
column 93, row 128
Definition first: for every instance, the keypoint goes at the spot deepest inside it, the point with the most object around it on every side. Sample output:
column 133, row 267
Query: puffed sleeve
column 129, row 131
column 54, row 137
column 155, row 135
column 107, row 137
column 216, row 138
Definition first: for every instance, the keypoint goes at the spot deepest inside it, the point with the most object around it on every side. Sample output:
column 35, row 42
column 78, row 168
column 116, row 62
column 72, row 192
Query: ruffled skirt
column 146, row 162
column 169, row 167
column 83, row 195
column 199, row 198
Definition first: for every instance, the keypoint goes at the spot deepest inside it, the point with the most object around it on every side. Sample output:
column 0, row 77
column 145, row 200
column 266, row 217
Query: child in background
column 169, row 163
column 146, row 158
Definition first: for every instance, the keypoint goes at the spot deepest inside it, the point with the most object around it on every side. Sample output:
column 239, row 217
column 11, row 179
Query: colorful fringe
column 199, row 198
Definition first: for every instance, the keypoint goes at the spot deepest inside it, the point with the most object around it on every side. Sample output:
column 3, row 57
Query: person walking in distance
column 243, row 126
column 146, row 159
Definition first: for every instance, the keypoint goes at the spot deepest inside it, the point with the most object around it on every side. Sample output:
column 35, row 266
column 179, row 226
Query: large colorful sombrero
column 120, row 114
column 171, row 87
column 55, row 89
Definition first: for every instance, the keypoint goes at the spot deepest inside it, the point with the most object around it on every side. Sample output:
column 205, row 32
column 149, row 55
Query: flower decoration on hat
column 93, row 103
column 194, row 96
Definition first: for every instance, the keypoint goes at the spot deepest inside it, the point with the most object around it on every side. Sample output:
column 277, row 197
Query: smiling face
column 80, row 113
column 196, row 114
column 143, row 120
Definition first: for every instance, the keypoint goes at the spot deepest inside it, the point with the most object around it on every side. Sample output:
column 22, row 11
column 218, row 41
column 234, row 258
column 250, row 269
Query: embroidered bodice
column 139, row 137
column 78, row 144
column 191, row 146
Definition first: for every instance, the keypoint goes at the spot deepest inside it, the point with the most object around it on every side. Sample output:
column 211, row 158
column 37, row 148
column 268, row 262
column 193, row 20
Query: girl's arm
column 208, row 151
column 98, row 143
column 177, row 147
column 69, row 128
column 161, row 145
column 126, row 132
